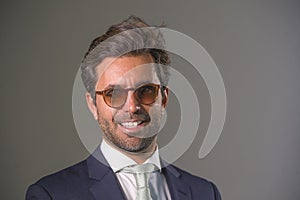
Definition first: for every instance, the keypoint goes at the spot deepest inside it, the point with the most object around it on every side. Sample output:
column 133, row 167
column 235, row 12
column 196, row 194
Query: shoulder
column 197, row 186
column 190, row 177
column 67, row 175
column 54, row 185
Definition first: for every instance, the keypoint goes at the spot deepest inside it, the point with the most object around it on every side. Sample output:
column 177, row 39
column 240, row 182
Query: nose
column 131, row 105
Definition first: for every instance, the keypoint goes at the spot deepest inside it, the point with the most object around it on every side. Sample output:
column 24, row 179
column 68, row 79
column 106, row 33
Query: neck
column 138, row 157
column 141, row 157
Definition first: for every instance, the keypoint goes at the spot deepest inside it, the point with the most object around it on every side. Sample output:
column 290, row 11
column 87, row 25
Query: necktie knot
column 140, row 169
column 142, row 174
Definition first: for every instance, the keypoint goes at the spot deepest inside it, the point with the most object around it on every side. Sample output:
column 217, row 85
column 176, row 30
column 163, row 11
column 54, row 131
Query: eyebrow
column 119, row 86
column 110, row 86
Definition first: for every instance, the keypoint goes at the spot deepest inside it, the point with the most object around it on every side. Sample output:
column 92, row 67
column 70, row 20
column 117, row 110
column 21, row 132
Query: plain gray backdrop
column 254, row 43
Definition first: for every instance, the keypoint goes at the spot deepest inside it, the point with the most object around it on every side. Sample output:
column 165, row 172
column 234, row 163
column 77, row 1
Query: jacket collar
column 105, row 184
column 177, row 188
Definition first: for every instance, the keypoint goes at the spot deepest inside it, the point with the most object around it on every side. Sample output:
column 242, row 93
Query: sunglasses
column 116, row 97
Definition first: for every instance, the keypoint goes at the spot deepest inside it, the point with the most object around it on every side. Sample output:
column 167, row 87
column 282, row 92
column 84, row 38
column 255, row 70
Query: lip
column 128, row 129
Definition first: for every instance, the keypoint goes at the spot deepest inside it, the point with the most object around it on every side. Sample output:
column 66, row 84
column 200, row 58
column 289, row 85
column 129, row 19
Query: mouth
column 132, row 126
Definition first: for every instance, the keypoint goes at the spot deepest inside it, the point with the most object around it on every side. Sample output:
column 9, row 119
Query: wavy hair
column 132, row 37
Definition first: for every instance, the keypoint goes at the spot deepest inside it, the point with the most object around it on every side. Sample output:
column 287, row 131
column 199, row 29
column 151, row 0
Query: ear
column 91, row 105
column 165, row 96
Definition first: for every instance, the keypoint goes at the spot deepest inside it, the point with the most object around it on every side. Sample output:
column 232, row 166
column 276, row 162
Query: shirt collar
column 117, row 160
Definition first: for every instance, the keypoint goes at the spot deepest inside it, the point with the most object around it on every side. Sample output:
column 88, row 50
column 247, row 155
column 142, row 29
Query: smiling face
column 133, row 126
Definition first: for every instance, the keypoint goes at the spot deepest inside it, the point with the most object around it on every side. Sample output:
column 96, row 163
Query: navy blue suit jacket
column 93, row 180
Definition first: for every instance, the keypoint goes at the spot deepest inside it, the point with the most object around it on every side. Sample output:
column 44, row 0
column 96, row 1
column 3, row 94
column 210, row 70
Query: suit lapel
column 104, row 183
column 177, row 189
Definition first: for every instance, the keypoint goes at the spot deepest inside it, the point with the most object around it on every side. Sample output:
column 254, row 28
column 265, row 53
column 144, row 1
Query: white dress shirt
column 117, row 161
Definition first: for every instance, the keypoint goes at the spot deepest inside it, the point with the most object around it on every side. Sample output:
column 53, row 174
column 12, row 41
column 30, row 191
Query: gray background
column 255, row 44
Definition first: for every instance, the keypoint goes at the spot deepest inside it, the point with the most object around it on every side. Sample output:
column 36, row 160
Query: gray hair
column 132, row 37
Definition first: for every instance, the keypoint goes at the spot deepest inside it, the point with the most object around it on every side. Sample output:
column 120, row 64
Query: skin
column 127, row 72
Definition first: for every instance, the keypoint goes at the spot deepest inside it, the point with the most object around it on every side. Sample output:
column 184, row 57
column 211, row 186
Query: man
column 125, row 72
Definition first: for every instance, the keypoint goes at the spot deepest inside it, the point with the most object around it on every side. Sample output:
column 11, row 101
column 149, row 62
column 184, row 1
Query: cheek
column 107, row 114
column 155, row 111
column 104, row 111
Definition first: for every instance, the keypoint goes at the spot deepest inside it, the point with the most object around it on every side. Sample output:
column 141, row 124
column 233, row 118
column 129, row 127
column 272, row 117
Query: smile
column 131, row 124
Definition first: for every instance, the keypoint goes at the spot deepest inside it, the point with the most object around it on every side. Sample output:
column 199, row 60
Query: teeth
column 131, row 124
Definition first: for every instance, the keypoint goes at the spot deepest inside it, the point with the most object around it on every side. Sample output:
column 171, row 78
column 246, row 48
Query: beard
column 110, row 134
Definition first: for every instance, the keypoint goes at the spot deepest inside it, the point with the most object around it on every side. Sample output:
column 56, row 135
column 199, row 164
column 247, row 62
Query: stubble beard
column 109, row 132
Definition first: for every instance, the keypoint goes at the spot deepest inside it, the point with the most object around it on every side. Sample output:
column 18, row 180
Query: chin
column 137, row 144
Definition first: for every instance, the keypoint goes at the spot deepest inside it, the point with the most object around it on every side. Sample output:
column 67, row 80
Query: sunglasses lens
column 147, row 94
column 115, row 97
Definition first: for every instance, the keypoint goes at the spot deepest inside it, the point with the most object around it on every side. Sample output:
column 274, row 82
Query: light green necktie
column 142, row 174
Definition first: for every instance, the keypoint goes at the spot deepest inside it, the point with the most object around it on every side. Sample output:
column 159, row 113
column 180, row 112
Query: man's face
column 133, row 126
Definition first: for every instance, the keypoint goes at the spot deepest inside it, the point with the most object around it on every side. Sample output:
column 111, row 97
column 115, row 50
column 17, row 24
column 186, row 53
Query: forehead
column 126, row 71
